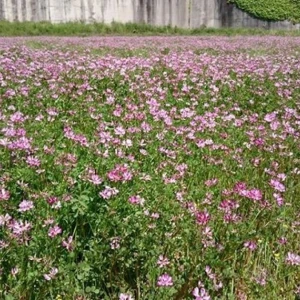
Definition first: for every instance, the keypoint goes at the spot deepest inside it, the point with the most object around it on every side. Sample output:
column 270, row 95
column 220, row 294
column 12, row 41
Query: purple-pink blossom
column 4, row 194
column 51, row 275
column 163, row 261
column 202, row 217
column 292, row 259
column 165, row 280
column 25, row 205
column 136, row 199
column 277, row 185
column 108, row 192
column 124, row 296
column 251, row 245
column 54, row 231
column 120, row 173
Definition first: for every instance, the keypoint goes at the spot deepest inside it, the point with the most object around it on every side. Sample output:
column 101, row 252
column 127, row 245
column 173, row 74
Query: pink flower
column 240, row 188
column 120, row 173
column 261, row 277
column 251, row 245
column 33, row 161
column 254, row 194
column 165, row 280
column 136, row 200
column 17, row 117
column 108, row 192
column 270, row 117
column 125, row 297
column 292, row 259
column 48, row 222
column 282, row 240
column 54, row 231
column 3, row 245
column 52, row 200
column 281, row 176
column 19, row 227
column 279, row 199
column 4, row 195
column 127, row 176
column 209, row 272
column 4, row 219
column 277, row 185
column 68, row 244
column 202, row 217
column 162, row 261
column 51, row 274
column 230, row 217
column 155, row 216
column 211, row 182
column 227, row 205
column 95, row 179
column 274, row 125
column 200, row 293
column 120, row 131
column 25, row 206
column 127, row 143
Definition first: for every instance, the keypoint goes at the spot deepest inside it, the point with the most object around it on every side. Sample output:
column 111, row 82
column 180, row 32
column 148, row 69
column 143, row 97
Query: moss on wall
column 274, row 10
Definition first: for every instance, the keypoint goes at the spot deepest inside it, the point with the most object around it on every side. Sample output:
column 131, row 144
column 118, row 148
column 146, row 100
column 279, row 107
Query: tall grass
column 82, row 29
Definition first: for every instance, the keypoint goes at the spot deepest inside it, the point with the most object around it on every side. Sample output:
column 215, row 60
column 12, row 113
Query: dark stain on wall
column 153, row 10
column 33, row 9
column 225, row 13
column 82, row 10
column 189, row 13
column 23, row 7
column 90, row 10
column 14, row 9
column 148, row 10
column 43, row 10
column 1, row 10
column 170, row 12
column 140, row 11
column 205, row 16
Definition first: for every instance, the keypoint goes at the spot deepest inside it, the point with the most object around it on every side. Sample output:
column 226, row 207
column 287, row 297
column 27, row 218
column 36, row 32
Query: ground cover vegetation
column 149, row 168
column 115, row 28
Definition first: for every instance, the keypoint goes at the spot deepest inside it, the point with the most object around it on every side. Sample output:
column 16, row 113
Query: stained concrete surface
column 180, row 13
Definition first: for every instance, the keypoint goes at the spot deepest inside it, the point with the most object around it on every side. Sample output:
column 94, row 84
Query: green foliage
column 233, row 90
column 273, row 10
column 83, row 30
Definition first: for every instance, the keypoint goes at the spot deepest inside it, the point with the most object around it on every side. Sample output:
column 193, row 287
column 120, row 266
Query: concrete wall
column 181, row 13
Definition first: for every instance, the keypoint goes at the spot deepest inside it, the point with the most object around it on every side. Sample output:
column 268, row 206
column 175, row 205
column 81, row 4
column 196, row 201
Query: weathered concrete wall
column 181, row 13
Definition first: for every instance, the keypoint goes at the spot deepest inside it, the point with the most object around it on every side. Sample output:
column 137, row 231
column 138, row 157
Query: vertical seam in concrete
column 14, row 10
column 170, row 12
column 49, row 12
column 82, row 15
column 1, row 10
column 23, row 8
column 190, row 3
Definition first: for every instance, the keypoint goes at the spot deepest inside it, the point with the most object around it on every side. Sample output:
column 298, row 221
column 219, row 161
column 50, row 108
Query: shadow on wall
column 226, row 13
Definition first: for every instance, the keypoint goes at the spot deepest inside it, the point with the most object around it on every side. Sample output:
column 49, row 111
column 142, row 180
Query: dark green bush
column 273, row 10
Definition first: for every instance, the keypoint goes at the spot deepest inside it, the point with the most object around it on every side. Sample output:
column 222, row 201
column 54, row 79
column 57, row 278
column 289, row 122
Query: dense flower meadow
column 150, row 168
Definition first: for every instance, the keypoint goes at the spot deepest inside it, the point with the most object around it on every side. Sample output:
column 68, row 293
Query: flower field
column 150, row 168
